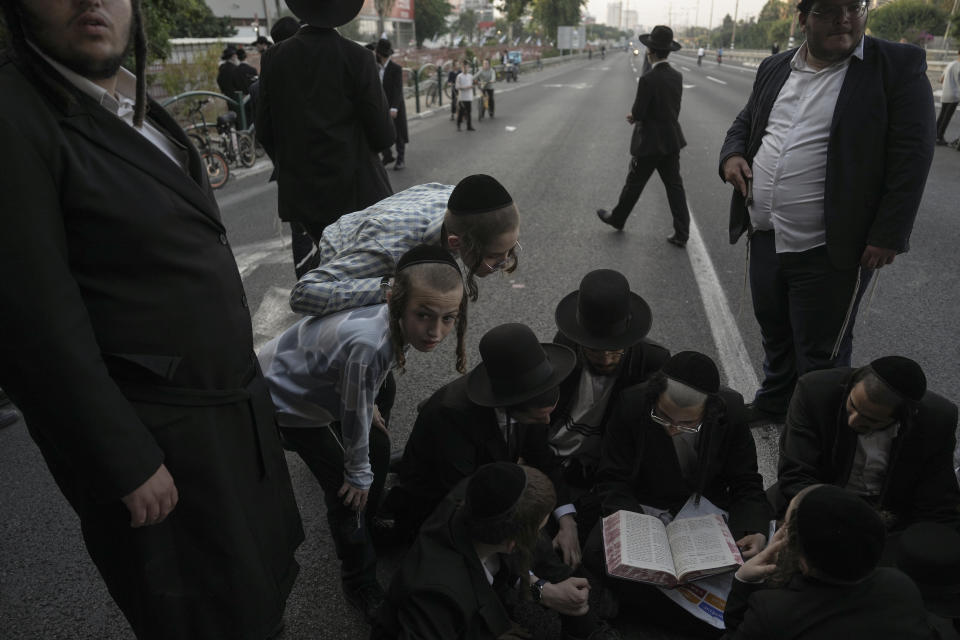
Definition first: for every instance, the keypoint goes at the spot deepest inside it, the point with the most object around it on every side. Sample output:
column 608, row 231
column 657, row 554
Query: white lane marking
column 251, row 256
column 689, row 86
column 579, row 85
column 685, row 68
column 734, row 358
column 508, row 128
column 715, row 80
column 273, row 316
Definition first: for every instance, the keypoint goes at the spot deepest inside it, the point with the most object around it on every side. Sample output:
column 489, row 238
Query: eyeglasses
column 512, row 254
column 664, row 421
column 834, row 13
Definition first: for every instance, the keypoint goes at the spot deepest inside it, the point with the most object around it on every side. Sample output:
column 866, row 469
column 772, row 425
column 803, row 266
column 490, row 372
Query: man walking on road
column 126, row 336
column 323, row 125
column 391, row 75
column 464, row 84
column 949, row 97
column 828, row 159
column 657, row 137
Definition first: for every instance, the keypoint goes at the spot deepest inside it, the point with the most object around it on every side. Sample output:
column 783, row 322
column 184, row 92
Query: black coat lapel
column 856, row 72
column 112, row 134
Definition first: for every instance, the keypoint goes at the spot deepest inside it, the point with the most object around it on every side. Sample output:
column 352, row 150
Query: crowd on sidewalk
column 168, row 433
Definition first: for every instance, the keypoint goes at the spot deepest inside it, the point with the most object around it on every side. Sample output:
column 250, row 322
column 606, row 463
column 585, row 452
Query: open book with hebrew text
column 639, row 547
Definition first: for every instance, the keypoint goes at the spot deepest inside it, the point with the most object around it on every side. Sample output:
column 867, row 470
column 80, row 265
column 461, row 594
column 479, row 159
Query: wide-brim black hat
column 325, row 13
column 660, row 39
column 603, row 313
column 383, row 48
column 516, row 367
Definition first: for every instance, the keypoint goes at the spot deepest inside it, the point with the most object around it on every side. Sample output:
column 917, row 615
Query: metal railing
column 239, row 101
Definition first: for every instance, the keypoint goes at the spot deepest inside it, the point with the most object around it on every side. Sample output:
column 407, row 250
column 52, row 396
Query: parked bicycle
column 237, row 148
column 218, row 172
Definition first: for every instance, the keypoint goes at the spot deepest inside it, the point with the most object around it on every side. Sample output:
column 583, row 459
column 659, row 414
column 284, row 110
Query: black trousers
column 641, row 169
column 321, row 451
column 800, row 301
column 465, row 113
column 489, row 94
column 305, row 254
column 943, row 120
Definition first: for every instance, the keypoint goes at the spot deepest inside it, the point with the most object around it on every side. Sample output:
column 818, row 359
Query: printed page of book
column 702, row 544
column 644, row 543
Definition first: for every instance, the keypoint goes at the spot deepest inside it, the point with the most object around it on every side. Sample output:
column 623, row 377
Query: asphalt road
column 560, row 144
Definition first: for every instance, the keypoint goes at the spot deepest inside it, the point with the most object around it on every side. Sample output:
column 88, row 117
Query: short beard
column 94, row 69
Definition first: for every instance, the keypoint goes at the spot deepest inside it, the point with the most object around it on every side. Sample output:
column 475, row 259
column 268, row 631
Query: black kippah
column 478, row 193
column 695, row 370
column 902, row 375
column 427, row 254
column 840, row 534
column 494, row 490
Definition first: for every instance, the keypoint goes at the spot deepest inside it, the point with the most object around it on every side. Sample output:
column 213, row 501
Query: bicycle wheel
column 247, row 149
column 217, row 170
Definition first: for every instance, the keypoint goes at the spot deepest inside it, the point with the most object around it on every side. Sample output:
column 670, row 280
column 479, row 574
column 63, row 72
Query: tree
column 551, row 14
column 165, row 19
column 911, row 19
column 466, row 23
column 430, row 19
column 384, row 8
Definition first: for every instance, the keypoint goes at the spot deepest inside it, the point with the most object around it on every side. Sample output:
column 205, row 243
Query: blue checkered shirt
column 360, row 248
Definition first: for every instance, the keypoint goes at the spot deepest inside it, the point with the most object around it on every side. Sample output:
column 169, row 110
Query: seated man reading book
column 679, row 435
column 605, row 324
column 819, row 579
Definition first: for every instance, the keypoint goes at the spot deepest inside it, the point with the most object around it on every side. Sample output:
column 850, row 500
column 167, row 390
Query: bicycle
column 218, row 172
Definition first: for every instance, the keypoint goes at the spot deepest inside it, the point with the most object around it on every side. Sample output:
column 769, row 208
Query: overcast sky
column 684, row 12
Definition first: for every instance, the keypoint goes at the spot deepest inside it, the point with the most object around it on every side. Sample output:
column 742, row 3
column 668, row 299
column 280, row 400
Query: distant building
column 630, row 19
column 614, row 17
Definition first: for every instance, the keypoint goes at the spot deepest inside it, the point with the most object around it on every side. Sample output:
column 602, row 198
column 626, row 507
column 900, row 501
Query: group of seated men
column 509, row 469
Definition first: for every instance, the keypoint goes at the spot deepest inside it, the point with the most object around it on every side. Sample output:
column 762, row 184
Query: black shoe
column 676, row 241
column 367, row 599
column 757, row 417
column 605, row 219
column 8, row 417
column 470, row 129
column 941, row 142
column 387, row 159
column 399, row 165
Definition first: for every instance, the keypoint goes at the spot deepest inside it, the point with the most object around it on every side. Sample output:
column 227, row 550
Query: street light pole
column 710, row 28
column 733, row 38
column 946, row 34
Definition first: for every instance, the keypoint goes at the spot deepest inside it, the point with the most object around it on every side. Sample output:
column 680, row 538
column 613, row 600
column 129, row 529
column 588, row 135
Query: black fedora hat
column 325, row 13
column 516, row 367
column 929, row 552
column 383, row 48
column 660, row 39
column 603, row 313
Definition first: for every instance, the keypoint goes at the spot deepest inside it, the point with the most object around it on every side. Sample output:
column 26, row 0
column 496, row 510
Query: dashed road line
column 716, row 80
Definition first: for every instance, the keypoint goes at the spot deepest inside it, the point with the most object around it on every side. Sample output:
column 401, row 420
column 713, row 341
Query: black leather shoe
column 399, row 165
column 367, row 599
column 675, row 241
column 604, row 216
column 757, row 417
column 470, row 129
column 8, row 417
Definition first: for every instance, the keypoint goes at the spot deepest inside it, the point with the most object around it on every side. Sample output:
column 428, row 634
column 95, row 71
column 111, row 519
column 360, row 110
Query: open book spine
column 614, row 555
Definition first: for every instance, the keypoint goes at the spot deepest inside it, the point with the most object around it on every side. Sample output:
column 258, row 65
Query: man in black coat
column 323, row 124
column 605, row 324
column 679, row 435
column 879, row 433
column 828, row 159
column 657, row 137
column 125, row 336
column 391, row 74
column 818, row 579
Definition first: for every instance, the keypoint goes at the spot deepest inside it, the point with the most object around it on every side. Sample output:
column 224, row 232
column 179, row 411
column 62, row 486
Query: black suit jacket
column 656, row 113
column 440, row 591
column 322, row 117
column 639, row 464
column 817, row 446
column 879, row 154
column 451, row 438
column 393, row 88
column 885, row 605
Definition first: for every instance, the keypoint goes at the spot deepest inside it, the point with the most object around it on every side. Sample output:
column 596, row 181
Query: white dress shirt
column 790, row 168
column 870, row 461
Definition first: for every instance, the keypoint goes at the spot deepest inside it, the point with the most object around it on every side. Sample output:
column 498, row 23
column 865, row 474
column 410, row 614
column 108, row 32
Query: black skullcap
column 695, row 370
column 494, row 490
column 427, row 254
column 840, row 534
column 478, row 193
column 902, row 375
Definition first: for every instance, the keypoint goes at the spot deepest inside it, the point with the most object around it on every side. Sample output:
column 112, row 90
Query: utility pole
column 733, row 38
column 711, row 16
column 696, row 18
